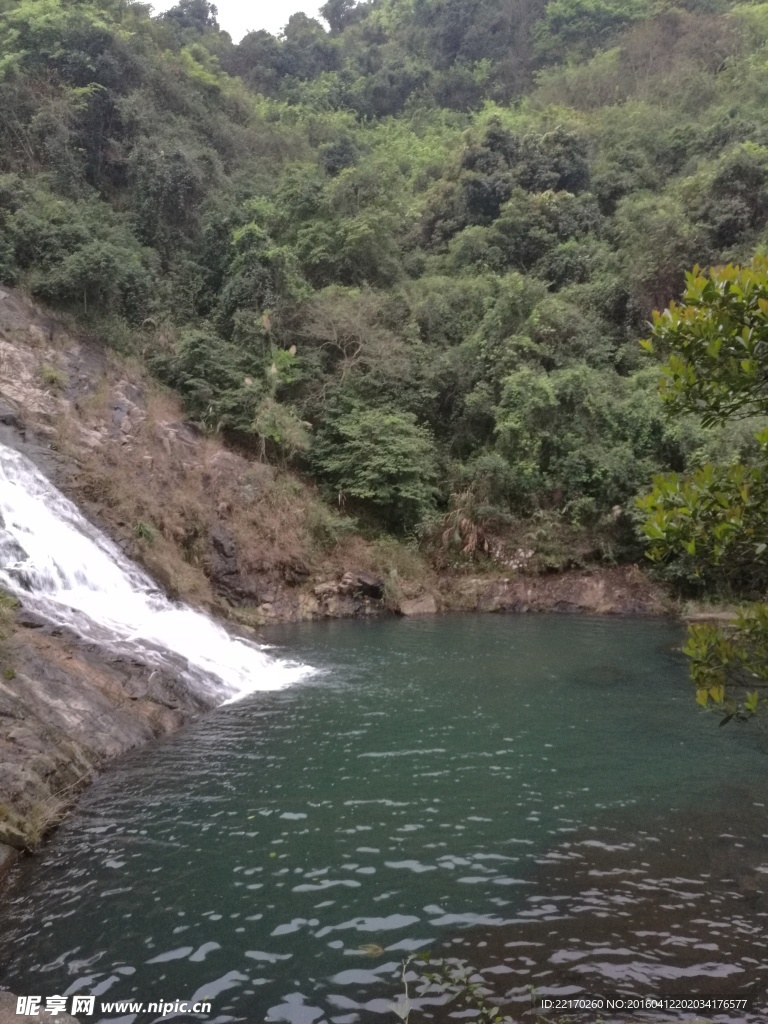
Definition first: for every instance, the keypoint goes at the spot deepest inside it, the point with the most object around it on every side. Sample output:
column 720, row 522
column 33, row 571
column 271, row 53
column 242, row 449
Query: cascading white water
column 66, row 570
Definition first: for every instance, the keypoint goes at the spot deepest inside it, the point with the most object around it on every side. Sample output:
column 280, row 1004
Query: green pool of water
column 536, row 797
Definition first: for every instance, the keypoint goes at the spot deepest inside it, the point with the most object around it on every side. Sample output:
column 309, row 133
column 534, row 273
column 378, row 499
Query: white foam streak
column 66, row 570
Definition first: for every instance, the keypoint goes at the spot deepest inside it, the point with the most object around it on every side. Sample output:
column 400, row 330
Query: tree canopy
column 714, row 522
column 452, row 218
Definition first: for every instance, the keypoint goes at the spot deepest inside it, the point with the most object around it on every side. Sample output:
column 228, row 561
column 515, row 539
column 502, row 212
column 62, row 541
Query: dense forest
column 408, row 252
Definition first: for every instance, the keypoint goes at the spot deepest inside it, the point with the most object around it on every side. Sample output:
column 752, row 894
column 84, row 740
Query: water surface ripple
column 535, row 797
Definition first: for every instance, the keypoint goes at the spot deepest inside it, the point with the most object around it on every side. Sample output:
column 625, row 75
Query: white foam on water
column 60, row 566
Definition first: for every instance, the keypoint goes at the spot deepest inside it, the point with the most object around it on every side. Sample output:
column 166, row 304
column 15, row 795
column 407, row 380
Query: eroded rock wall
column 66, row 706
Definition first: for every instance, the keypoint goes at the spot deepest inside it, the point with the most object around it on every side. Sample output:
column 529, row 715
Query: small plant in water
column 454, row 979
column 460, row 983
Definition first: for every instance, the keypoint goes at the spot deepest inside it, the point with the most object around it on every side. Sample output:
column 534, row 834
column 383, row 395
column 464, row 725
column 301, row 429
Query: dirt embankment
column 244, row 540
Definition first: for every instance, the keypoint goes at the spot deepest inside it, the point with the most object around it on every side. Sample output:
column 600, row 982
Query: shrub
column 381, row 458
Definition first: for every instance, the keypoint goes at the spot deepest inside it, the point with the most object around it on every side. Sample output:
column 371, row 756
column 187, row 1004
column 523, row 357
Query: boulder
column 224, row 548
column 223, row 570
column 503, row 596
column 363, row 583
column 424, row 605
column 294, row 571
column 370, row 585
column 10, row 416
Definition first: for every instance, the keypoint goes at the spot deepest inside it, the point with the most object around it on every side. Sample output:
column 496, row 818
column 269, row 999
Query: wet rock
column 223, row 567
column 155, row 566
column 67, row 708
column 30, row 620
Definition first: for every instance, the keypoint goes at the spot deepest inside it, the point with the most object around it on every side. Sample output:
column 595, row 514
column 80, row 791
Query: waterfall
column 67, row 571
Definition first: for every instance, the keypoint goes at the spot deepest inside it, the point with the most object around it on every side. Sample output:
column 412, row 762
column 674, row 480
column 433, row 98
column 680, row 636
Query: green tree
column 579, row 26
column 341, row 13
column 195, row 14
column 716, row 521
column 382, row 458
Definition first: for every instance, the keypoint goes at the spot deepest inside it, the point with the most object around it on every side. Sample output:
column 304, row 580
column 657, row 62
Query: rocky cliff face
column 65, row 707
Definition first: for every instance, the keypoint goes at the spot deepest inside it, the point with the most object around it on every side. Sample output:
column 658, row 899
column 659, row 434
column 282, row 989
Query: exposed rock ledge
column 618, row 590
column 67, row 708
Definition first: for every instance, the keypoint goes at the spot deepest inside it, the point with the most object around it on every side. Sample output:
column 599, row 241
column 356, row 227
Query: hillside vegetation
column 408, row 253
